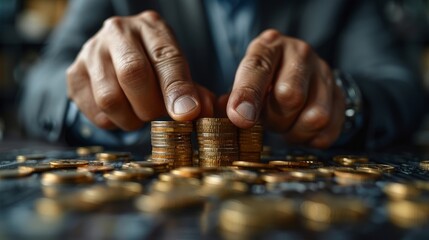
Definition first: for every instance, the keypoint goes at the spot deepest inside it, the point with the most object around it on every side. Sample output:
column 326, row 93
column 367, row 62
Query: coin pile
column 171, row 142
column 217, row 139
column 250, row 143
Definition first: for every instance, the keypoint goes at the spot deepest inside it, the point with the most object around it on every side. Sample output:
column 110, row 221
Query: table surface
column 19, row 220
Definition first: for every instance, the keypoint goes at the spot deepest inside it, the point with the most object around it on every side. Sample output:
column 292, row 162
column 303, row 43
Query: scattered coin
column 384, row 168
column 408, row 213
column 68, row 163
column 129, row 174
column 424, row 165
column 113, row 192
column 399, row 191
column 355, row 176
column 88, row 150
column 330, row 209
column 113, row 156
column 14, row 173
column 66, row 177
column 35, row 156
column 350, row 160
column 251, row 215
column 96, row 169
column 39, row 168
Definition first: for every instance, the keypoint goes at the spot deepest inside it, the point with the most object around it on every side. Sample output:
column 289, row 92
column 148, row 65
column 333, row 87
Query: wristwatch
column 353, row 113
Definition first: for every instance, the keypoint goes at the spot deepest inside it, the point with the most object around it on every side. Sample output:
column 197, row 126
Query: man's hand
column 287, row 81
column 132, row 71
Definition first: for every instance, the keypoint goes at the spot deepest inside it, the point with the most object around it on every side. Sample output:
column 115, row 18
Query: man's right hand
column 132, row 71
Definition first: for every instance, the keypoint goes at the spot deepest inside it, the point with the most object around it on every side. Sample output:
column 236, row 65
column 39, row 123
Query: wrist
column 353, row 113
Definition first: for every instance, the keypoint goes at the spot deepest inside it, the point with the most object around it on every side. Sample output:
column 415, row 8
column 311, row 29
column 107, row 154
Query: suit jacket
column 348, row 35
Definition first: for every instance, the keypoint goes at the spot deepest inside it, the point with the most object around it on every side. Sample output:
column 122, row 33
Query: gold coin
column 157, row 166
column 49, row 207
column 96, row 169
column 399, row 191
column 37, row 168
column 161, row 202
column 103, row 194
column 112, row 156
column 385, row 168
column 179, row 184
column 66, row 177
column 424, row 165
column 68, row 163
column 35, row 156
column 251, row 165
column 348, row 160
column 129, row 174
column 255, row 214
column 408, row 213
column 305, row 175
column 14, row 173
column 355, row 176
column 289, row 164
column 329, row 209
column 190, row 172
column 88, row 150
column 277, row 177
column 329, row 170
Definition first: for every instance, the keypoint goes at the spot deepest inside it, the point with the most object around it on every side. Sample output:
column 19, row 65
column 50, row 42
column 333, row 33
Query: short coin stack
column 171, row 142
column 250, row 143
column 217, row 140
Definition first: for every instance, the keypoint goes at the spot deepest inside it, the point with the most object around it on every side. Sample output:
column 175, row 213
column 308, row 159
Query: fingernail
column 246, row 110
column 184, row 105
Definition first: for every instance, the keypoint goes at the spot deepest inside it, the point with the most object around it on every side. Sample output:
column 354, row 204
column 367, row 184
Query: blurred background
column 26, row 24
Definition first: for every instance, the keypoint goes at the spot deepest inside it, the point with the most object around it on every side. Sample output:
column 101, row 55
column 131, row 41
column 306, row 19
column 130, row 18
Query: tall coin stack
column 250, row 143
column 217, row 139
column 171, row 142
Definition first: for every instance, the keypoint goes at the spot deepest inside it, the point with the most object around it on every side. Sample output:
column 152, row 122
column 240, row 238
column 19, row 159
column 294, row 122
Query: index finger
column 254, row 75
column 180, row 95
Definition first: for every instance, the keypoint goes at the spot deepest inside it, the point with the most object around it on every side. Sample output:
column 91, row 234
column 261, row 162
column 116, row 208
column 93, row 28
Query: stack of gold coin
column 217, row 139
column 250, row 143
column 171, row 142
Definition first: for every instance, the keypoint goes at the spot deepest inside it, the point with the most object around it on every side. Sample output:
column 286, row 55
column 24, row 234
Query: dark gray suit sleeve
column 392, row 92
column 44, row 98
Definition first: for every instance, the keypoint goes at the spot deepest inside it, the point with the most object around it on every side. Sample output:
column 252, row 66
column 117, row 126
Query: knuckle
column 108, row 101
column 289, row 97
column 89, row 45
column 113, row 23
column 150, row 15
column 71, row 72
column 75, row 80
column 316, row 119
column 258, row 64
column 165, row 53
column 271, row 31
column 304, row 50
column 130, row 69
